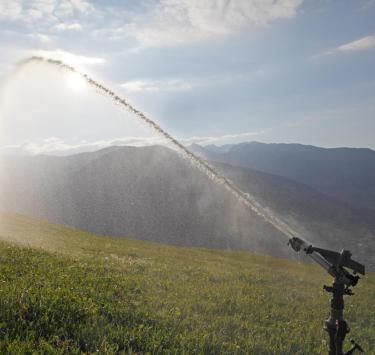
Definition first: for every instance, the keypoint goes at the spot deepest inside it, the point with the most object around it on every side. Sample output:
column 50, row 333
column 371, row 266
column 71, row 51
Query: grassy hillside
column 64, row 291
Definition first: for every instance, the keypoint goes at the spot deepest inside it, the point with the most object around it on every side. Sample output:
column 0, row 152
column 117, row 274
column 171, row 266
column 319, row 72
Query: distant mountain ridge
column 151, row 193
column 347, row 174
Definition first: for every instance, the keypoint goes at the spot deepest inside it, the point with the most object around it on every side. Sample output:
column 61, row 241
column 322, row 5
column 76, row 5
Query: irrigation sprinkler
column 338, row 266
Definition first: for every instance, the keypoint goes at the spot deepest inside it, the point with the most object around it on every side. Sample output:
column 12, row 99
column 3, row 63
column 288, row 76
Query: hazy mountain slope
column 152, row 194
column 347, row 174
column 82, row 293
column 320, row 219
column 147, row 193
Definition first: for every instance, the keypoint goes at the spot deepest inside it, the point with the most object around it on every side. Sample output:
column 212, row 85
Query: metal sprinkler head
column 343, row 269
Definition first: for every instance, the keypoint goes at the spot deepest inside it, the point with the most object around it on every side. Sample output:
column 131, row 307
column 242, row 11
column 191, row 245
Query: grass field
column 64, row 291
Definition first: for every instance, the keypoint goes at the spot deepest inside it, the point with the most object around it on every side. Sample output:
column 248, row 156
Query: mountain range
column 347, row 174
column 152, row 193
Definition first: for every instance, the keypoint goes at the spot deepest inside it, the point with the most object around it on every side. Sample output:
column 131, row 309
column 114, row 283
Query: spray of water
column 247, row 199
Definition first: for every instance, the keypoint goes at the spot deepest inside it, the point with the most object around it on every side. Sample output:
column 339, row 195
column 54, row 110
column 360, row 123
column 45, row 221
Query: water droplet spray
column 245, row 198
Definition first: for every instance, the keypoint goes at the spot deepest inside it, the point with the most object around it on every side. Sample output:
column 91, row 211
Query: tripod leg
column 342, row 330
column 330, row 328
column 355, row 347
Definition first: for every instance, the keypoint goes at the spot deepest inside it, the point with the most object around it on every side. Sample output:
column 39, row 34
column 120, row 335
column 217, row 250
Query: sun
column 75, row 82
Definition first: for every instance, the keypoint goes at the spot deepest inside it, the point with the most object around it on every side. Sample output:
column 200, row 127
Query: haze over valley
column 151, row 193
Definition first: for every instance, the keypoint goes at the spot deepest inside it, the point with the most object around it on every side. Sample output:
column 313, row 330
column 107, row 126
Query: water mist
column 245, row 198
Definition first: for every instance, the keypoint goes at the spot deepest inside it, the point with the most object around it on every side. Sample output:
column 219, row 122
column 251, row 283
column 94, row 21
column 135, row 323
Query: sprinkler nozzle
column 297, row 244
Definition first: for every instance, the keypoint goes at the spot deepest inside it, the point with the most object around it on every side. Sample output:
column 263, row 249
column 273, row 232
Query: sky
column 207, row 71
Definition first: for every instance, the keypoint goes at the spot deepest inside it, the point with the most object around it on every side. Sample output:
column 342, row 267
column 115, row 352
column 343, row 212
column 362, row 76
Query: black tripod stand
column 335, row 263
column 335, row 325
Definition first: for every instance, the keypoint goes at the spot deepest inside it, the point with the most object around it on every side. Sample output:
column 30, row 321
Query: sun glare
column 75, row 82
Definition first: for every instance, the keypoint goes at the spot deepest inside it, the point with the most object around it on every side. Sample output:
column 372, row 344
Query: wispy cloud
column 151, row 23
column 39, row 12
column 69, row 27
column 10, row 10
column 170, row 22
column 42, row 37
column 156, row 85
column 360, row 44
column 181, row 84
column 58, row 146
column 223, row 138
column 54, row 9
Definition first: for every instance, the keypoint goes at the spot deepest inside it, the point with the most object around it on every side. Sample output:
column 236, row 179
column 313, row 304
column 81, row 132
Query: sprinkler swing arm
column 337, row 265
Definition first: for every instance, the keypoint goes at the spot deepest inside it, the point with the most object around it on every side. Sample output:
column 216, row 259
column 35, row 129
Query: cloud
column 41, row 12
column 170, row 22
column 58, row 146
column 41, row 37
column 361, row 44
column 358, row 45
column 223, row 138
column 156, row 85
column 68, row 57
column 181, row 84
column 10, row 10
column 151, row 23
column 54, row 9
column 69, row 26
column 82, row 6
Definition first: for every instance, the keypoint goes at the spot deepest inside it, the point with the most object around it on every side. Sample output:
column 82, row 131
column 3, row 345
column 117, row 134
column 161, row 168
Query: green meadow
column 68, row 292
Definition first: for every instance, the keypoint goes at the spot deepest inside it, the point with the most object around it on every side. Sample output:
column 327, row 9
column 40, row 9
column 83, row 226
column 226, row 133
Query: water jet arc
column 245, row 198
